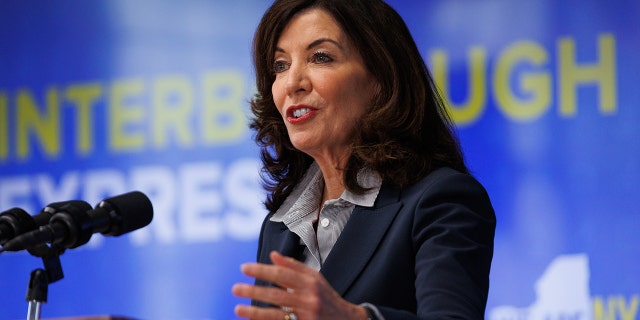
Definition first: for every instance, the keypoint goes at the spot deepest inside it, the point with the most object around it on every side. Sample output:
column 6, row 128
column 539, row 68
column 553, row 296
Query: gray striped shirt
column 299, row 212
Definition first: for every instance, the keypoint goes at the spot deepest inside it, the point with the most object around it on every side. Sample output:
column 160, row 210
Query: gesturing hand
column 303, row 291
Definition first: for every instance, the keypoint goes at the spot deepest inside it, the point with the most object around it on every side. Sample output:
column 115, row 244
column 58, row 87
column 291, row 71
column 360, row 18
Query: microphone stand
column 40, row 279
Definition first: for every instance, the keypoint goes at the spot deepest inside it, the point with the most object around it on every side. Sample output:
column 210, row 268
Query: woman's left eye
column 280, row 66
column 321, row 57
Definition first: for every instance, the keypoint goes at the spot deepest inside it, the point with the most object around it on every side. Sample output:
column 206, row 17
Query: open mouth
column 297, row 113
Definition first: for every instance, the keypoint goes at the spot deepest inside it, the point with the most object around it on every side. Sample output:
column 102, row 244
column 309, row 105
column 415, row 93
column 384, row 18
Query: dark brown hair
column 405, row 135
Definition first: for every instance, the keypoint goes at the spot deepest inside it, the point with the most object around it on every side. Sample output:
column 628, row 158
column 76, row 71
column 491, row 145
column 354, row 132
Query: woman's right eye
column 280, row 66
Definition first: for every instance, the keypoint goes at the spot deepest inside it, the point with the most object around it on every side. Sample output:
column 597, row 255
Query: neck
column 333, row 182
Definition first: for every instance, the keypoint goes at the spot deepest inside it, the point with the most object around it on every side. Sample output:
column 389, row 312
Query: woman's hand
column 303, row 291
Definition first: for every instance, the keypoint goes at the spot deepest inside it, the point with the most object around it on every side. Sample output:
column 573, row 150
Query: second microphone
column 73, row 225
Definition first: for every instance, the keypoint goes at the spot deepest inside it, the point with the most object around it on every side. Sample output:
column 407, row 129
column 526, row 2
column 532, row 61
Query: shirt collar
column 369, row 180
column 306, row 195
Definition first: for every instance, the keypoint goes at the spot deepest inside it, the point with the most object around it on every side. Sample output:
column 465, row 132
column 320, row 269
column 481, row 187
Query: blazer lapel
column 279, row 238
column 359, row 239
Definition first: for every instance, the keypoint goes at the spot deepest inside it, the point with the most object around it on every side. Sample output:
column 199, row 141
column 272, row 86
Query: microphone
column 73, row 226
column 16, row 221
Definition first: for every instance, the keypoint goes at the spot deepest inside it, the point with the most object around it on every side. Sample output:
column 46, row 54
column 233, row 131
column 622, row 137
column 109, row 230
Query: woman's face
column 321, row 87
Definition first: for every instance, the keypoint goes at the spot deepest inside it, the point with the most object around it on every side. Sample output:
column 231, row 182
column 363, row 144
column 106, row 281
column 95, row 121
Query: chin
column 303, row 145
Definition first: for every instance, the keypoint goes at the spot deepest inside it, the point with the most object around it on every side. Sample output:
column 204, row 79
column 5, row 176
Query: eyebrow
column 316, row 43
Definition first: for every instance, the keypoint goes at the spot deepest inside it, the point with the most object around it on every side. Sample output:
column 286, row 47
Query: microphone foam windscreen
column 134, row 208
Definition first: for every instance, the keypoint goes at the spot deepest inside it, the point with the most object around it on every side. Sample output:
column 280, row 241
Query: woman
column 372, row 213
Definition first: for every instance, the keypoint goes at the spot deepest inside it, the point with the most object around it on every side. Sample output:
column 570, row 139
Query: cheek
column 366, row 89
column 346, row 82
column 352, row 97
column 277, row 92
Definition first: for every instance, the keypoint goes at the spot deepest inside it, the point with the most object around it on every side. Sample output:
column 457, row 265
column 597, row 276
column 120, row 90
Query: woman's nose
column 297, row 80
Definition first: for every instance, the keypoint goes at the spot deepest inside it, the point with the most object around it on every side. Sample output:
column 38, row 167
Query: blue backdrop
column 98, row 98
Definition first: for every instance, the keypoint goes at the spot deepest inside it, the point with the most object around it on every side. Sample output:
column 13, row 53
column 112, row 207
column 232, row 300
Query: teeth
column 300, row 112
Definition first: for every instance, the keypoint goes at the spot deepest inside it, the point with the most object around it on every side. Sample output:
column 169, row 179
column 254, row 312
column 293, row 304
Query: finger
column 252, row 312
column 288, row 262
column 282, row 276
column 271, row 295
column 239, row 290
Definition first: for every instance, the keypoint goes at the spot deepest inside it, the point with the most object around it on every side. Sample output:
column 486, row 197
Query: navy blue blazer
column 423, row 252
